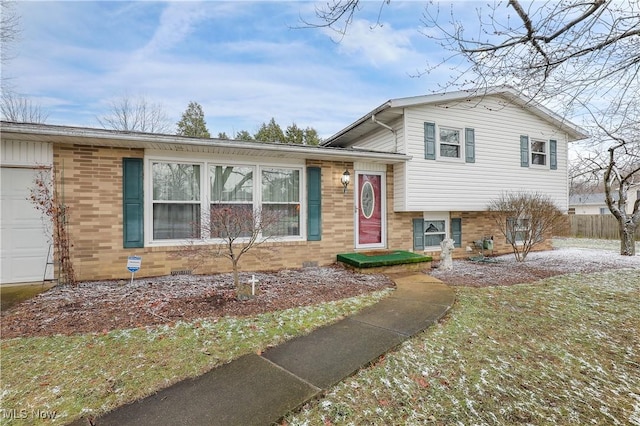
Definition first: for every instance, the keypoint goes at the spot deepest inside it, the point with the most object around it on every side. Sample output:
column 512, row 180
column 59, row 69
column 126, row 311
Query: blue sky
column 244, row 62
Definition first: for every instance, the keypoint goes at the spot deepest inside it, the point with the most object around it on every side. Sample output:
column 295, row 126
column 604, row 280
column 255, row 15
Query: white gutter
column 386, row 126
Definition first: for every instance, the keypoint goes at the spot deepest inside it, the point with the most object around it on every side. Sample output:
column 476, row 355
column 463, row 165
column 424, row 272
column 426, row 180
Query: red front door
column 369, row 210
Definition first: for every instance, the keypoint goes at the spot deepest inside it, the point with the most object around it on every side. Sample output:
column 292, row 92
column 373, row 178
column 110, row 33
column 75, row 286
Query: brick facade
column 92, row 188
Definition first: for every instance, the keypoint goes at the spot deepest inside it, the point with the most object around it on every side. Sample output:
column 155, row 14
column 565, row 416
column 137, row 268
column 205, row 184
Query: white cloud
column 379, row 44
column 175, row 25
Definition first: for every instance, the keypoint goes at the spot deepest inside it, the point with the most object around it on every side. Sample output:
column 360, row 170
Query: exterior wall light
column 345, row 179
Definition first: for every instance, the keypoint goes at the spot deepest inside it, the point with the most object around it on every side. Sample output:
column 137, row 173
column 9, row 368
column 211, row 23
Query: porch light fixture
column 345, row 179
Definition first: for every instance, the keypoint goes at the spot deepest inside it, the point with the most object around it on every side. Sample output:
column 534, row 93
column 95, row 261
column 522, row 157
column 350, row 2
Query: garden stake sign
column 133, row 265
column 253, row 281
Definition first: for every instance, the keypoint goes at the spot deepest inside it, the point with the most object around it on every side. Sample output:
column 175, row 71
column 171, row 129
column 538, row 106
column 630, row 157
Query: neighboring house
column 466, row 149
column 595, row 203
column 421, row 169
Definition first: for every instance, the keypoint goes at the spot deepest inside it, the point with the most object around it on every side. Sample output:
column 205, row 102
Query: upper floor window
column 539, row 153
column 449, row 142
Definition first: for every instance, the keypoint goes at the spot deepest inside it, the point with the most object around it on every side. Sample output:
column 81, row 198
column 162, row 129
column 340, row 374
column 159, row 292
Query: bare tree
column 238, row 228
column 524, row 219
column 136, row 115
column 9, row 29
column 577, row 50
column 21, row 109
column 574, row 49
column 611, row 159
column 580, row 56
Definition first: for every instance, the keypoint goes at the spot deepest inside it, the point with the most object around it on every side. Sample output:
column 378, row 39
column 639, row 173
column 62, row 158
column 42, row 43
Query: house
column 139, row 194
column 594, row 203
column 421, row 169
column 466, row 149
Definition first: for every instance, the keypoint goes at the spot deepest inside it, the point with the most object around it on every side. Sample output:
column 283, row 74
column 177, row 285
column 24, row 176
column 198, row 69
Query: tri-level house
column 466, row 149
column 408, row 174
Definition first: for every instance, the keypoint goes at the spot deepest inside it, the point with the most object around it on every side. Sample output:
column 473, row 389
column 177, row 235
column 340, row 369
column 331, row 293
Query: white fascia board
column 100, row 137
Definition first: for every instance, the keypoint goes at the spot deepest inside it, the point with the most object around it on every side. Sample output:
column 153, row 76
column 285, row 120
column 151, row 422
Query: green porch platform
column 387, row 261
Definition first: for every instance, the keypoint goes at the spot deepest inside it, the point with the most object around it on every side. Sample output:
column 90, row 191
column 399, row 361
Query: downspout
column 386, row 126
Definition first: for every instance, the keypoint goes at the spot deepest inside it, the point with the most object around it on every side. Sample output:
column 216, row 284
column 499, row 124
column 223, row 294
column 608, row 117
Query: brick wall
column 92, row 182
column 476, row 226
column 92, row 188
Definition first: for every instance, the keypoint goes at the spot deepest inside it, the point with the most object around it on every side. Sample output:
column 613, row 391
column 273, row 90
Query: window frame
column 206, row 202
column 519, row 229
column 539, row 154
column 298, row 203
column 436, row 217
column 460, row 144
column 154, row 202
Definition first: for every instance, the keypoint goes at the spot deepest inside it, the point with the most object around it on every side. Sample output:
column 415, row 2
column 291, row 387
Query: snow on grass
column 564, row 350
column 93, row 373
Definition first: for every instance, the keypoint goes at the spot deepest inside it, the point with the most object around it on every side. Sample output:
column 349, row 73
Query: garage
column 23, row 242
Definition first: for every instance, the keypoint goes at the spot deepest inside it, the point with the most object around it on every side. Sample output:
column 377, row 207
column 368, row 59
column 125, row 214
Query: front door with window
column 370, row 210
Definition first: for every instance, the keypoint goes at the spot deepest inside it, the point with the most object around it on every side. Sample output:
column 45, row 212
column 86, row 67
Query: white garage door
column 24, row 244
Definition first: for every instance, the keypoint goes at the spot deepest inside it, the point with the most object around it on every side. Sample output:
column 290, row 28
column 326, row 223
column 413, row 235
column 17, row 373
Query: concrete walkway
column 259, row 390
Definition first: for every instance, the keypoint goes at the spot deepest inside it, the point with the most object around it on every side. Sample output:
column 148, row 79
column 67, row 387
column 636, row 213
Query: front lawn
column 94, row 373
column 564, row 350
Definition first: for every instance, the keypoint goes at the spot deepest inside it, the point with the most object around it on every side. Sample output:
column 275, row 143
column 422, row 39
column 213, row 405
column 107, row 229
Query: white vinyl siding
column 23, row 153
column 384, row 140
column 447, row 186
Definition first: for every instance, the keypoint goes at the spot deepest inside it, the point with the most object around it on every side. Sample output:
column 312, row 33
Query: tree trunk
column 627, row 239
column 236, row 279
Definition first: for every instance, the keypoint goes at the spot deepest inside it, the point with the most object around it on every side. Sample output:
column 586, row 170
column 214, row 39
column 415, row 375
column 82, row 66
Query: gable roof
column 127, row 139
column 393, row 109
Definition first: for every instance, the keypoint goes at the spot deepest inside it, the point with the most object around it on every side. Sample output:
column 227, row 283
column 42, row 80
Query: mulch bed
column 108, row 305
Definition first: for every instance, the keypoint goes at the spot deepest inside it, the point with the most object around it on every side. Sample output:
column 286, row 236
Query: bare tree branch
column 137, row 115
column 21, row 109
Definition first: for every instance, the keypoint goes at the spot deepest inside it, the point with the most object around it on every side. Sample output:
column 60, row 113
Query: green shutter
column 132, row 203
column 469, row 145
column 429, row 141
column 314, row 204
column 418, row 234
column 456, row 232
column 553, row 153
column 524, row 151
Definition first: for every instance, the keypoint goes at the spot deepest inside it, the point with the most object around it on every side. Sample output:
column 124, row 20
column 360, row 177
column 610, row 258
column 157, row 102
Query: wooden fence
column 596, row 226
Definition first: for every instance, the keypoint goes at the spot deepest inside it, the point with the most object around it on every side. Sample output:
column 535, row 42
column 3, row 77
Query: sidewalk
column 259, row 390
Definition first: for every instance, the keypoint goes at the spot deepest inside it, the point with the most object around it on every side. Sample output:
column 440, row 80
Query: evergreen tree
column 243, row 135
column 294, row 134
column 271, row 132
column 222, row 135
column 311, row 136
column 192, row 122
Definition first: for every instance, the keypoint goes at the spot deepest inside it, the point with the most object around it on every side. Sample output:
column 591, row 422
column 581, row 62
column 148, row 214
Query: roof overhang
column 394, row 108
column 124, row 139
